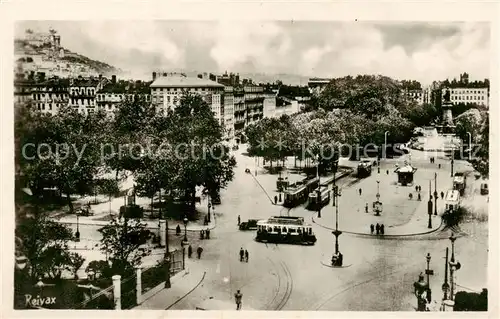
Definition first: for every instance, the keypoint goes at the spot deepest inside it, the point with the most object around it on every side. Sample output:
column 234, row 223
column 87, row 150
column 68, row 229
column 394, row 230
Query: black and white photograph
column 251, row 165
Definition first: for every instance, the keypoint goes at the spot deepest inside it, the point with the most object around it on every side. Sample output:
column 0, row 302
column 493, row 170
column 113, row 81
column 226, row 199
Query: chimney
column 154, row 76
column 113, row 79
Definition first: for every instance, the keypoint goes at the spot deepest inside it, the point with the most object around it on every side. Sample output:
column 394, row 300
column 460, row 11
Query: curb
column 383, row 236
column 190, row 291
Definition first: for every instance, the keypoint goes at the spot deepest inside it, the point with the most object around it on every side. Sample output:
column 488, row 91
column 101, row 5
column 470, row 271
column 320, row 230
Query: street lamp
column 429, row 272
column 378, row 204
column 167, row 256
column 185, row 221
column 452, row 161
column 454, row 265
column 385, row 143
column 435, row 193
column 338, row 257
column 445, row 287
column 77, row 233
column 429, row 207
column 470, row 145
column 318, row 191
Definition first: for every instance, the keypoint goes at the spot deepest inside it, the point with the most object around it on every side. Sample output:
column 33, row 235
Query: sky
column 405, row 50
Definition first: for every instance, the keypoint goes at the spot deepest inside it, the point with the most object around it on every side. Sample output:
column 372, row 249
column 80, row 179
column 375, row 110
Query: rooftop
column 184, row 82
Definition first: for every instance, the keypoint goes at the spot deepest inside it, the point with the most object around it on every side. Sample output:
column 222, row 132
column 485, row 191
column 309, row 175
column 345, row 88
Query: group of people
column 380, row 229
column 205, row 234
column 199, row 250
column 243, row 254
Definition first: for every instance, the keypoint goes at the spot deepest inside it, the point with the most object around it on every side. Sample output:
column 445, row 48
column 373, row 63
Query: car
column 484, row 189
column 251, row 224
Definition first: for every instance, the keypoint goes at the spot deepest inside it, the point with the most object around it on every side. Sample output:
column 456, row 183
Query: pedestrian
column 242, row 254
column 419, row 197
column 360, row 191
column 238, row 296
column 207, row 233
column 377, row 228
column 416, row 188
column 202, row 234
column 411, row 196
column 366, row 208
column 442, row 194
column 371, row 229
column 439, row 165
column 387, row 172
column 275, row 199
column 199, row 251
column 178, row 230
column 246, row 255
column 382, row 229
column 239, row 220
column 190, row 251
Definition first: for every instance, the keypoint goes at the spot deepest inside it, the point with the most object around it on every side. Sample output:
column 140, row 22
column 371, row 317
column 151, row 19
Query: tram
column 298, row 192
column 324, row 199
column 285, row 229
column 365, row 168
column 452, row 200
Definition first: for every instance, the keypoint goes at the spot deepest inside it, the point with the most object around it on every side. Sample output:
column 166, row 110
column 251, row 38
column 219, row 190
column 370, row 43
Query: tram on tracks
column 324, row 197
column 298, row 192
column 286, row 230
column 364, row 168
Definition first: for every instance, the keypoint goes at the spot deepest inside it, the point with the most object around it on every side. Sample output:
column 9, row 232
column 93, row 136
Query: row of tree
column 171, row 152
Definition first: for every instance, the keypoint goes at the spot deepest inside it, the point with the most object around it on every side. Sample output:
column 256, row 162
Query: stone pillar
column 163, row 240
column 117, row 294
column 138, row 289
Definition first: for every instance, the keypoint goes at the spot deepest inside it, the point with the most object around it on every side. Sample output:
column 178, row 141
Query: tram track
column 278, row 302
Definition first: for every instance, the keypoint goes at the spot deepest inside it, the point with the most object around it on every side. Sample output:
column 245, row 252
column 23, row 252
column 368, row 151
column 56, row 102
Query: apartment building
column 466, row 95
column 114, row 93
column 317, row 85
column 45, row 95
column 167, row 90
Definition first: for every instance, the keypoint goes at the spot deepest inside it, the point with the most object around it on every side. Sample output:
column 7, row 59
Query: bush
column 471, row 301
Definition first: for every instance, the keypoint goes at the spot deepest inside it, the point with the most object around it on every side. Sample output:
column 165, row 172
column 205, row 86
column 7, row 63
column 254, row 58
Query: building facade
column 317, row 85
column 167, row 90
column 228, row 112
column 82, row 94
column 466, row 95
column 114, row 93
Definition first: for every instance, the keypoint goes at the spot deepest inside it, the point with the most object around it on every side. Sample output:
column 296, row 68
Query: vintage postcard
column 213, row 163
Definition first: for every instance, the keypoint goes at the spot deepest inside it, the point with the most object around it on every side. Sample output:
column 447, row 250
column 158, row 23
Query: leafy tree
column 121, row 240
column 44, row 243
column 75, row 263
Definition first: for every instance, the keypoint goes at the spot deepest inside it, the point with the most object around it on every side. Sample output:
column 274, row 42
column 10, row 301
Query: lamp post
column 184, row 243
column 445, row 287
column 185, row 221
column 429, row 272
column 470, row 145
column 454, row 265
column 429, row 207
column 209, row 205
column 377, row 203
column 337, row 257
column 77, row 233
column 435, row 193
column 385, row 143
column 318, row 191
column 167, row 257
column 452, row 162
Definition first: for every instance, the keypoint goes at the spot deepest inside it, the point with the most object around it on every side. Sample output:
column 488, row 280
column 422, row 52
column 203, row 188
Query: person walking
column 382, row 229
column 416, row 188
column 237, row 297
column 202, row 234
column 439, row 165
column 275, row 200
column 199, row 251
column 360, row 191
column 366, row 208
column 372, row 229
column 442, row 194
column 190, row 251
column 246, row 255
column 207, row 233
column 178, row 230
column 239, row 220
column 377, row 228
column 387, row 172
column 242, row 254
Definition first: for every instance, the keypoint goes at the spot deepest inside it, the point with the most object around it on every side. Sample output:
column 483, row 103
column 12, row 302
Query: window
column 284, row 229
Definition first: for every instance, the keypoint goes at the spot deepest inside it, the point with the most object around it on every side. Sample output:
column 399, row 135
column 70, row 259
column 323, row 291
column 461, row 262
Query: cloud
column 409, row 50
